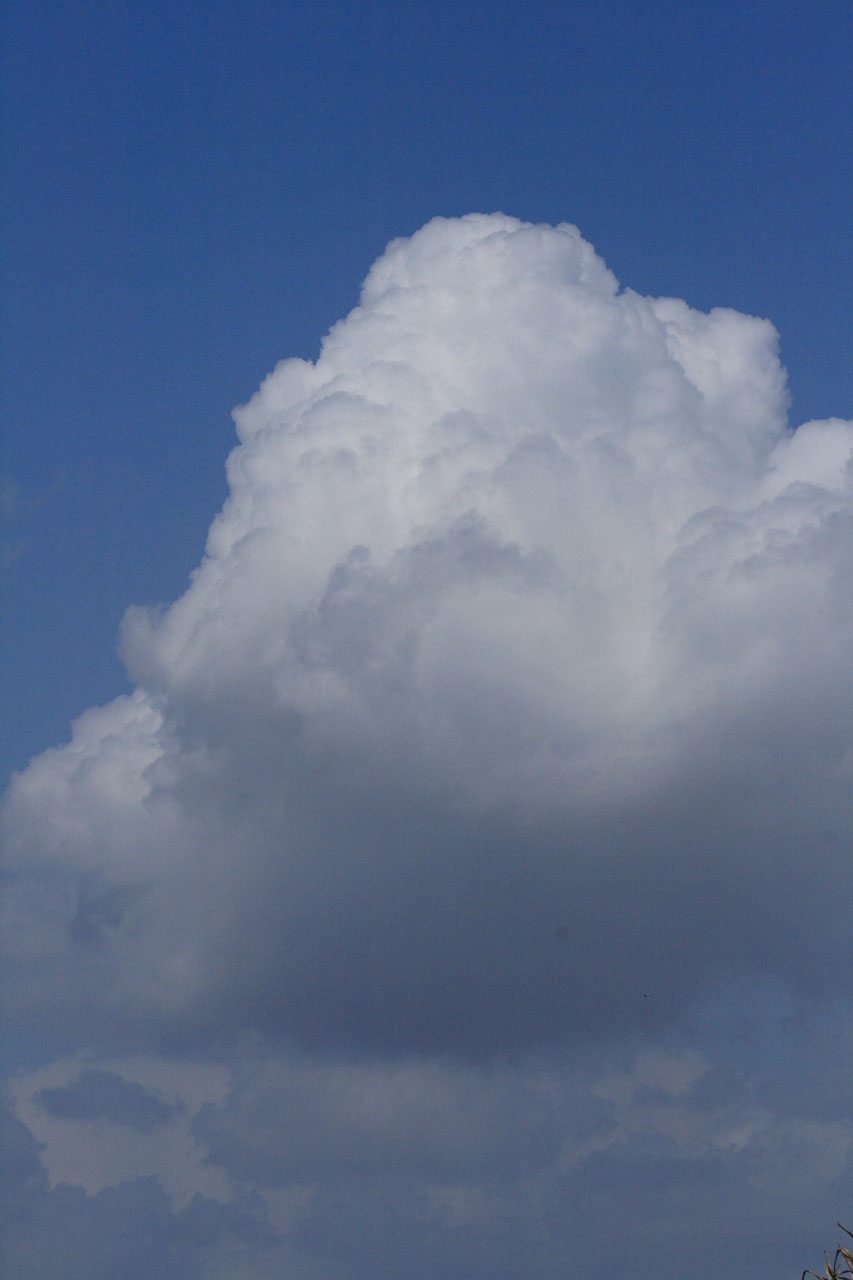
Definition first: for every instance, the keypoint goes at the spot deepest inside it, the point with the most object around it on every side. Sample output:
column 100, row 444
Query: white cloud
column 515, row 679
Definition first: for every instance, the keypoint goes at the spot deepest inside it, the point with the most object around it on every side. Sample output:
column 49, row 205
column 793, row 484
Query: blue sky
column 194, row 192
column 515, row 682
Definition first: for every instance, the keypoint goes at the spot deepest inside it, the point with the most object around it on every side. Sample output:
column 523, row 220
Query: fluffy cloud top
column 515, row 679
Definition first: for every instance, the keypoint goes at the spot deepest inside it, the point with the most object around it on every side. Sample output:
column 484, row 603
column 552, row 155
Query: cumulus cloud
column 514, row 680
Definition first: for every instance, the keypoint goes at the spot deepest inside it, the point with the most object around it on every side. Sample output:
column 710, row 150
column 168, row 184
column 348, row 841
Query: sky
column 427, row 839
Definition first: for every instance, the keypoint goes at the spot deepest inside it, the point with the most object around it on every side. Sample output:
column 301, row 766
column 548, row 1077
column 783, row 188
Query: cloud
column 332, row 1168
column 128, row 1230
column 103, row 1095
column 101, row 1123
column 289, row 1122
column 514, row 681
